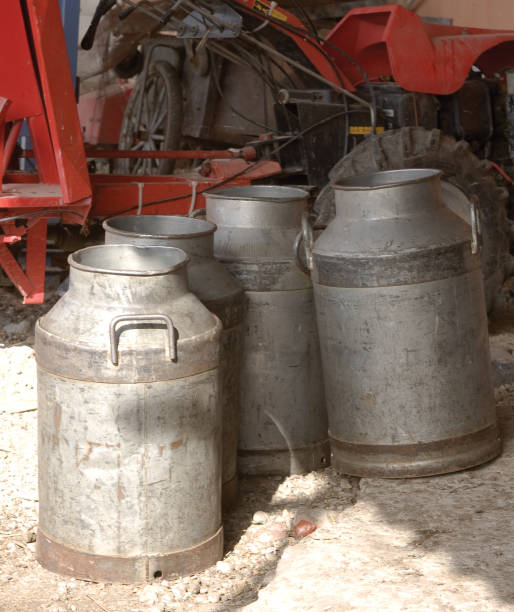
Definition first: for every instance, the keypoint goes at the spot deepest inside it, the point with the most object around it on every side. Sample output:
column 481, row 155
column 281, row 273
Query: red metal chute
column 391, row 41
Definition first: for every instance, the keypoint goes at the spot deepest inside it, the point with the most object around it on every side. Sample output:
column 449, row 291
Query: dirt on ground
column 442, row 543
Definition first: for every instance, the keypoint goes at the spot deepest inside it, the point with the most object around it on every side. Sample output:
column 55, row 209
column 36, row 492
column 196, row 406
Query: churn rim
column 184, row 260
column 212, row 227
column 231, row 193
column 358, row 183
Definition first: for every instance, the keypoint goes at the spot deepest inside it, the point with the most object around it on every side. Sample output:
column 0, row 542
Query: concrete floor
column 443, row 543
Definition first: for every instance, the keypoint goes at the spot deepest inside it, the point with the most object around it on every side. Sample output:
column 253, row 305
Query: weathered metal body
column 129, row 420
column 218, row 290
column 283, row 416
column 403, row 331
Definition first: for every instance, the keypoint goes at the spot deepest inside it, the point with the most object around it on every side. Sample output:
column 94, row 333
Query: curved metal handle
column 198, row 212
column 307, row 237
column 172, row 346
column 475, row 224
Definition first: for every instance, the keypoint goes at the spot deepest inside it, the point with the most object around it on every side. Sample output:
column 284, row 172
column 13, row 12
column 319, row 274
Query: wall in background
column 87, row 9
column 498, row 14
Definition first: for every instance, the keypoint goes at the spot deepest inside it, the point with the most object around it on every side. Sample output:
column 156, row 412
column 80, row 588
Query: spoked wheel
column 152, row 120
column 463, row 175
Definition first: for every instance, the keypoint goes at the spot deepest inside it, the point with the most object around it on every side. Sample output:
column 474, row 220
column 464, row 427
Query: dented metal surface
column 283, row 416
column 403, row 331
column 218, row 290
column 129, row 466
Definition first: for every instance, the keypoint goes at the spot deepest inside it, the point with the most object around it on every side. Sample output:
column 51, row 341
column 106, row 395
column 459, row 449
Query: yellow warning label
column 361, row 130
column 268, row 10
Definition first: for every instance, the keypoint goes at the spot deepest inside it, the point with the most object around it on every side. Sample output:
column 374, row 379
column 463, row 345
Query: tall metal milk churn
column 403, row 330
column 129, row 420
column 218, row 290
column 283, row 416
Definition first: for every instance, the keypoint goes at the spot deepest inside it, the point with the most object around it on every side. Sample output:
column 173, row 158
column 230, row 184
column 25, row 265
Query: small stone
column 224, row 567
column 30, row 536
column 148, row 595
column 62, row 588
column 273, row 533
column 178, row 591
column 260, row 518
column 266, row 537
column 213, row 597
column 304, row 528
column 203, row 590
column 194, row 587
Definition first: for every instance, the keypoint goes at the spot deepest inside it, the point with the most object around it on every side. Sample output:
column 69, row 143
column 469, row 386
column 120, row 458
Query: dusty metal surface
column 283, row 416
column 137, row 443
column 406, row 363
column 218, row 290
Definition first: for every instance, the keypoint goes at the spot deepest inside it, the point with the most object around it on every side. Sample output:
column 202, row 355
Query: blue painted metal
column 70, row 11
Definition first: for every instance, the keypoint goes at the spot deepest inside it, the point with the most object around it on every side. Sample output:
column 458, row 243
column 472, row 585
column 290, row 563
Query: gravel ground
column 379, row 545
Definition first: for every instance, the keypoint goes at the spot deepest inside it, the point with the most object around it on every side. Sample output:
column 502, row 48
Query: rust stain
column 161, row 449
column 369, row 398
column 57, row 423
column 177, row 443
column 86, row 456
column 57, row 417
column 121, row 493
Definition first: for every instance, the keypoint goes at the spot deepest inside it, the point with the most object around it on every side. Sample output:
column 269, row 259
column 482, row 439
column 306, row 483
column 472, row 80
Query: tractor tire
column 160, row 125
column 463, row 175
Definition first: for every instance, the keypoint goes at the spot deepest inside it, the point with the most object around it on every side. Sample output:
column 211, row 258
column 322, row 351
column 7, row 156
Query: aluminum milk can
column 283, row 416
column 129, row 420
column 218, row 290
column 403, row 330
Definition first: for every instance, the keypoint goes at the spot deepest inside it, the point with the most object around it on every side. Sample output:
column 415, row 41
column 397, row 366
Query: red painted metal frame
column 117, row 194
column 247, row 153
column 38, row 88
column 310, row 47
column 392, row 42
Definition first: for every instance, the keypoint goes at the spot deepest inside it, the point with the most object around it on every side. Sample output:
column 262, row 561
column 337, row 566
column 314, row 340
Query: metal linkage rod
column 311, row 73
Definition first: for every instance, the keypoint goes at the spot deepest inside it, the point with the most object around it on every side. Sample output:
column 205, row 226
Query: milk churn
column 129, row 420
column 283, row 416
column 218, row 290
column 403, row 330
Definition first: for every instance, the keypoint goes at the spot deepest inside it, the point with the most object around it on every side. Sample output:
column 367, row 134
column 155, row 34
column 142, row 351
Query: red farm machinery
column 241, row 91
